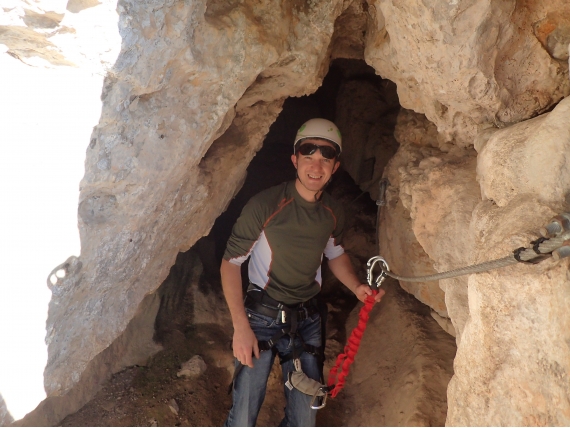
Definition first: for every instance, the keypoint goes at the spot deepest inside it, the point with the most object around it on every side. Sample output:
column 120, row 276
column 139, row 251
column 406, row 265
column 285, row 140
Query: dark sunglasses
column 308, row 149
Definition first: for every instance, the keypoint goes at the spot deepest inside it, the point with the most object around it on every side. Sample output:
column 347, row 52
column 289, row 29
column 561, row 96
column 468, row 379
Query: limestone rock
column 173, row 406
column 397, row 238
column 528, row 157
column 513, row 364
column 152, row 150
column 5, row 416
column 430, row 204
column 366, row 114
column 194, row 367
column 133, row 346
column 468, row 63
column 553, row 32
column 444, row 323
column 350, row 30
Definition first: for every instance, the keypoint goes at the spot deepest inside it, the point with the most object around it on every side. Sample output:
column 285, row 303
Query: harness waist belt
column 257, row 300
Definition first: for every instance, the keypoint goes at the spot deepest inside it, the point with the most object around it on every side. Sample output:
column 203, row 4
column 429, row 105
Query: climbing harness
column 336, row 380
column 257, row 300
column 299, row 380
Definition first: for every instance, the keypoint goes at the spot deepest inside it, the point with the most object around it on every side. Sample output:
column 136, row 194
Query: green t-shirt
column 286, row 237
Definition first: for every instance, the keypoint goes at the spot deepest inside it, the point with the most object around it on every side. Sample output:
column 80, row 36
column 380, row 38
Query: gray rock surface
column 194, row 367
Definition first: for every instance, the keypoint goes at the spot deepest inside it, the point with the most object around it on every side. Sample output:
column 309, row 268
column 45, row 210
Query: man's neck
column 306, row 194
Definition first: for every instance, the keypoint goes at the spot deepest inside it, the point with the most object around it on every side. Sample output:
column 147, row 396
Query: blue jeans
column 249, row 386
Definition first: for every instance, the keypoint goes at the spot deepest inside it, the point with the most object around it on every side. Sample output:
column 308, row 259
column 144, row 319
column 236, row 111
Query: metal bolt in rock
column 562, row 252
column 558, row 224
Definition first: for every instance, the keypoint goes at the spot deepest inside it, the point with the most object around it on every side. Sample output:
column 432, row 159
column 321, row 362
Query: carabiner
column 324, row 393
column 376, row 283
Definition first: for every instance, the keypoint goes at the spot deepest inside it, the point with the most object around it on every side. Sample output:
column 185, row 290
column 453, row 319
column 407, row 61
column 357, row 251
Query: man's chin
column 311, row 185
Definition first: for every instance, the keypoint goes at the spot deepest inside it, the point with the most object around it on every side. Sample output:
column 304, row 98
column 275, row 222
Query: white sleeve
column 332, row 250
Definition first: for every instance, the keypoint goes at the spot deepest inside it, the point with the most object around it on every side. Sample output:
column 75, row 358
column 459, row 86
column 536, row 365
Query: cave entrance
column 392, row 382
column 365, row 108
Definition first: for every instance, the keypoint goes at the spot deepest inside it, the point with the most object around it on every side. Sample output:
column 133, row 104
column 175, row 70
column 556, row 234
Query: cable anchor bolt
column 556, row 226
column 562, row 252
column 384, row 183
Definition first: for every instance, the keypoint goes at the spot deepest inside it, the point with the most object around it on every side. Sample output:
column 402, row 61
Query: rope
column 345, row 359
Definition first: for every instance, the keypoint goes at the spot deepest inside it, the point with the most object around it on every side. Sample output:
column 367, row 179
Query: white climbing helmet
column 319, row 128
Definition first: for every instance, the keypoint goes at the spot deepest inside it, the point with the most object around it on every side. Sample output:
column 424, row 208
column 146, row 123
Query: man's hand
column 363, row 291
column 342, row 268
column 245, row 345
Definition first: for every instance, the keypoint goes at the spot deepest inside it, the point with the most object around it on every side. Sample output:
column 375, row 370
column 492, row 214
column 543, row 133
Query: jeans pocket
column 258, row 320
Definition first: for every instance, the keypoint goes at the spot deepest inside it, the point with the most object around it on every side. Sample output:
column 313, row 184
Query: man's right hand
column 245, row 345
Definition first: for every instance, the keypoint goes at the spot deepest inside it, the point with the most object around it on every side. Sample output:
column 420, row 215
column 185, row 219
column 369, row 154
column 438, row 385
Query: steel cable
column 543, row 247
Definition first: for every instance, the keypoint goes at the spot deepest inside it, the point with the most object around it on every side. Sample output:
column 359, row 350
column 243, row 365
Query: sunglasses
column 308, row 149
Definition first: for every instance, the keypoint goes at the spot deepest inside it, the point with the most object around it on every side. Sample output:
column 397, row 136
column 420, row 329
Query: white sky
column 46, row 119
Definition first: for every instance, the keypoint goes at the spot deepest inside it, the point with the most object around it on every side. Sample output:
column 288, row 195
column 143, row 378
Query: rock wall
column 186, row 107
column 426, row 220
column 5, row 416
column 462, row 207
column 517, row 331
column 194, row 91
column 469, row 63
column 366, row 111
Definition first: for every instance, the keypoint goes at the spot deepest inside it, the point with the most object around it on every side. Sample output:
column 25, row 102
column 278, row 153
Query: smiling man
column 286, row 230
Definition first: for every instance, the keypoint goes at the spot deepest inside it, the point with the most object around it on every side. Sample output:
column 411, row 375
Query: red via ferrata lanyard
column 350, row 349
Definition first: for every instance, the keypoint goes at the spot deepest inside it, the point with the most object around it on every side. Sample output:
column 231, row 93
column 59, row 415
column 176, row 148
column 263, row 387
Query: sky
column 46, row 119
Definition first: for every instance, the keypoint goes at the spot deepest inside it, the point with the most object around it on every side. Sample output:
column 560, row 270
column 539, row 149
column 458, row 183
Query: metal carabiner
column 324, row 393
column 376, row 283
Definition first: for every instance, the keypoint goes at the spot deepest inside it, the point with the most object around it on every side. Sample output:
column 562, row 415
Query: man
column 286, row 230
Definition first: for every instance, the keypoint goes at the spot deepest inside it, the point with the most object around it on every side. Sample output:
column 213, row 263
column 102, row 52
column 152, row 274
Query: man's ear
column 336, row 165
column 294, row 160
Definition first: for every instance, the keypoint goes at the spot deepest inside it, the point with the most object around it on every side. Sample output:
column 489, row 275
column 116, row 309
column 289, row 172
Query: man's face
column 314, row 171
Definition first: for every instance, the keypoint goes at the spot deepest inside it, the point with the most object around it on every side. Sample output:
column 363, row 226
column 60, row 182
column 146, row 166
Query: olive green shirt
column 286, row 238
